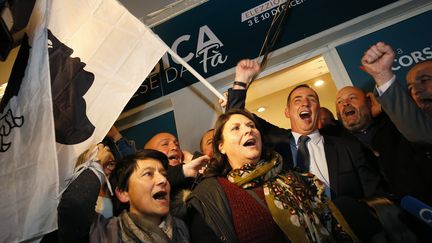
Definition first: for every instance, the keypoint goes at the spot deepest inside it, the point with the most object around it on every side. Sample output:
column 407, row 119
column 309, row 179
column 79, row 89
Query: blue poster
column 214, row 36
column 411, row 40
column 142, row 132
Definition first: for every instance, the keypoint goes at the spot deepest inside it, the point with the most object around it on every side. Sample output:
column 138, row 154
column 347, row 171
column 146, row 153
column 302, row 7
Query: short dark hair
column 422, row 62
column 329, row 111
column 124, row 169
column 298, row 87
column 417, row 64
column 119, row 178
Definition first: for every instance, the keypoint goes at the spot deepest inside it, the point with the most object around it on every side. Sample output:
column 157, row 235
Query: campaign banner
column 214, row 36
column 409, row 38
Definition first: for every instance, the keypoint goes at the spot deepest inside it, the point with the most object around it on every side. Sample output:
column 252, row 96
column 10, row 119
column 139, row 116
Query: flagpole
column 196, row 74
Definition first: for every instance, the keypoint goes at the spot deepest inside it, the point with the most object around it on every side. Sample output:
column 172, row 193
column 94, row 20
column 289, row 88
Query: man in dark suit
column 410, row 110
column 339, row 163
column 405, row 166
column 399, row 136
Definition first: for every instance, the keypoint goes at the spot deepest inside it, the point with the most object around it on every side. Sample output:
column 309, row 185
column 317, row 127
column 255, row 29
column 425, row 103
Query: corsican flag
column 86, row 59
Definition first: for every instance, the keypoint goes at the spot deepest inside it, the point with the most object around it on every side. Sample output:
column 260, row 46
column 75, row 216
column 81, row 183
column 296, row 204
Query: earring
column 222, row 152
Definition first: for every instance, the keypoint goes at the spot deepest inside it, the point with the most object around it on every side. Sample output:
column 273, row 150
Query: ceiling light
column 261, row 109
column 319, row 83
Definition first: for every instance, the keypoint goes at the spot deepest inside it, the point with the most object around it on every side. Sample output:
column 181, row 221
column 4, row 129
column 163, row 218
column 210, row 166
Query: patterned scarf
column 296, row 201
column 134, row 228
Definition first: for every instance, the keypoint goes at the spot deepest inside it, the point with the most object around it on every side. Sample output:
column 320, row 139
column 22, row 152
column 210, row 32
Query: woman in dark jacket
column 141, row 183
column 246, row 196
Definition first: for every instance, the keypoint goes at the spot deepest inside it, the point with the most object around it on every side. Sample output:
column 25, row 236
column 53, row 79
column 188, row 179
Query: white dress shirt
column 383, row 88
column 318, row 161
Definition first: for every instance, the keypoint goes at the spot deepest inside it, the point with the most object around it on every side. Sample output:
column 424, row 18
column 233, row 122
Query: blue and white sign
column 214, row 36
column 411, row 40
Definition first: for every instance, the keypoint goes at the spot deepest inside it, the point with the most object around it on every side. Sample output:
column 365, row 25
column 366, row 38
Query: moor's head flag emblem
column 12, row 118
column 69, row 83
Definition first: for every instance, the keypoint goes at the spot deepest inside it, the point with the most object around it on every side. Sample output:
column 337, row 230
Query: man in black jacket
column 340, row 163
column 400, row 135
column 405, row 166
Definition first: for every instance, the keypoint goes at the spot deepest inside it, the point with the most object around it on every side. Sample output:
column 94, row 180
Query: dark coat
column 78, row 221
column 210, row 214
column 406, row 166
column 349, row 171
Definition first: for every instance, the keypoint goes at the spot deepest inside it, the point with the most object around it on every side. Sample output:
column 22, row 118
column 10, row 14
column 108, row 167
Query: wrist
column 188, row 172
column 117, row 137
column 383, row 78
column 239, row 85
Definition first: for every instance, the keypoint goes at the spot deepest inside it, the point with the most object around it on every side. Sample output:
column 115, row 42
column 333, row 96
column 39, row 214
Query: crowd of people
column 323, row 180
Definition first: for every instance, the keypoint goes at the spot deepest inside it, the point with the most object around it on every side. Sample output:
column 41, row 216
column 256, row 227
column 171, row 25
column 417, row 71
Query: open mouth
column 349, row 112
column 250, row 142
column 426, row 100
column 162, row 195
column 173, row 157
column 426, row 104
column 305, row 115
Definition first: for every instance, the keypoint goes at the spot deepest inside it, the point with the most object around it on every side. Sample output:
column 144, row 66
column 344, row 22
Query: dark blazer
column 406, row 166
column 349, row 172
column 413, row 123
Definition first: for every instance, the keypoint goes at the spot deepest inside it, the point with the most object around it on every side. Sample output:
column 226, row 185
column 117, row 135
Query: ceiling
column 272, row 91
column 153, row 12
column 288, row 77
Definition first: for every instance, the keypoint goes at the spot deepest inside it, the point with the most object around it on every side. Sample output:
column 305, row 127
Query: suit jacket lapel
column 332, row 164
column 290, row 140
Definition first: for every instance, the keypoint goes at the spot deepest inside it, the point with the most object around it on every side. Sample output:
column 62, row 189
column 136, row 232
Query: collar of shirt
column 315, row 137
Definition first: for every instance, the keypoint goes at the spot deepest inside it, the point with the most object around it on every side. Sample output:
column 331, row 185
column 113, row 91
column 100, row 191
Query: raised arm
column 414, row 124
column 377, row 61
column 76, row 210
column 180, row 176
column 276, row 137
column 123, row 145
column 246, row 69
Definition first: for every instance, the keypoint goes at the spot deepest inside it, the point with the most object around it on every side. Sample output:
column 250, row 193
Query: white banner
column 99, row 54
column 118, row 52
column 28, row 161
